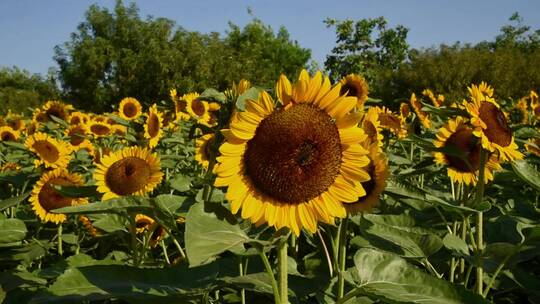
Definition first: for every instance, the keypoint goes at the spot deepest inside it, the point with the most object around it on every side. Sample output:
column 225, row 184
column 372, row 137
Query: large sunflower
column 378, row 171
column 57, row 109
column 45, row 197
column 130, row 171
column 355, row 85
column 130, row 108
column 202, row 149
column 296, row 165
column 422, row 116
column 8, row 134
column 490, row 124
column 152, row 128
column 457, row 135
column 52, row 153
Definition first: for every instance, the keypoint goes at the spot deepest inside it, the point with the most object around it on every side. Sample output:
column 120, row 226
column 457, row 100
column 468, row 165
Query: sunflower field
column 308, row 192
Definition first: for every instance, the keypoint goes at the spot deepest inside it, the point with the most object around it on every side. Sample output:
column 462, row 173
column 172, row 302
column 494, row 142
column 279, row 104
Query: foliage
column 20, row 90
column 118, row 54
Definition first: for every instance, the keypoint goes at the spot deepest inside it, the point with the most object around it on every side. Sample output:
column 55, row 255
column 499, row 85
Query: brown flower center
column 7, row 136
column 369, row 185
column 46, row 150
column 51, row 199
column 497, row 130
column 349, row 89
column 181, row 106
column 389, row 121
column 100, row 129
column 207, row 146
column 128, row 175
column 198, row 107
column 153, row 125
column 15, row 124
column 295, row 154
column 76, row 135
column 468, row 144
column 57, row 111
column 75, row 120
column 130, row 110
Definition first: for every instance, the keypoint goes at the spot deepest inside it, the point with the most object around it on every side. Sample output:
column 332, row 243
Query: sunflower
column 457, row 135
column 45, row 197
column 130, row 171
column 533, row 146
column 180, row 109
column 10, row 167
column 198, row 109
column 371, row 126
column 8, row 134
column 32, row 128
column 87, row 224
column 437, row 101
column 518, row 114
column 404, row 111
column 392, row 122
column 52, row 153
column 78, row 118
column 535, row 105
column 355, row 85
column 15, row 121
column 152, row 128
column 293, row 166
column 143, row 222
column 378, row 171
column 77, row 138
column 57, row 109
column 490, row 124
column 99, row 128
column 130, row 108
column 202, row 149
column 422, row 116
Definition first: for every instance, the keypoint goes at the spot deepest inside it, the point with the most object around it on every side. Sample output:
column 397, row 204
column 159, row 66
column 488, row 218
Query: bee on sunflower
column 294, row 165
column 130, row 171
column 45, row 197
column 490, row 124
column 129, row 108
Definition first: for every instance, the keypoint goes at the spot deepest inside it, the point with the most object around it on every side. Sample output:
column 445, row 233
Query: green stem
column 241, row 272
column 480, row 223
column 162, row 243
column 272, row 277
column 283, row 272
column 175, row 242
column 134, row 242
column 343, row 227
column 350, row 295
column 60, row 250
column 499, row 268
column 326, row 253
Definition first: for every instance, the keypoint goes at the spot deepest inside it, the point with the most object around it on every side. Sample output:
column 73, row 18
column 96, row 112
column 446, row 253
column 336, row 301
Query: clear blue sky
column 29, row 29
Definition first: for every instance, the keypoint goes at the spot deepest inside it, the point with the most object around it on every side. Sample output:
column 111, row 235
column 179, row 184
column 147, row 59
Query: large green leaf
column 527, row 173
column 12, row 230
column 12, row 201
column 390, row 278
column 135, row 285
column 210, row 232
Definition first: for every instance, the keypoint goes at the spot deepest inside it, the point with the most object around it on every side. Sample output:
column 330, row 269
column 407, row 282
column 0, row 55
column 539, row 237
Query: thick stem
column 282, row 270
column 60, row 250
column 344, row 225
column 270, row 273
column 480, row 224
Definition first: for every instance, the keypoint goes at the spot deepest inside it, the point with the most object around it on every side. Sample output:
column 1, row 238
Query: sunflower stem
column 326, row 253
column 175, row 242
column 162, row 243
column 283, row 271
column 60, row 250
column 480, row 223
column 241, row 273
column 270, row 273
column 344, row 225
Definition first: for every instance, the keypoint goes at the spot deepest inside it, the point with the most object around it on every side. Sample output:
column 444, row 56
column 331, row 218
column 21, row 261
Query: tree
column 20, row 90
column 366, row 47
column 114, row 55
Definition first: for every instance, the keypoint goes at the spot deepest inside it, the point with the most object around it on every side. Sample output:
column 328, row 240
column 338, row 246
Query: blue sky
column 30, row 29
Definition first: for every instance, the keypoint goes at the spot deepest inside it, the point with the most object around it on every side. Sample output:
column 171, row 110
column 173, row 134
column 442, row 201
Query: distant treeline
column 114, row 54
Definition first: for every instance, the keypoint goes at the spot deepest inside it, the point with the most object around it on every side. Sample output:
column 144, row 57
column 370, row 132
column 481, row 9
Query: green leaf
column 390, row 278
column 213, row 95
column 110, row 222
column 12, row 230
column 134, row 285
column 456, row 244
column 78, row 191
column 180, row 183
column 124, row 204
column 251, row 94
column 211, row 231
column 258, row 282
column 527, row 173
column 12, row 201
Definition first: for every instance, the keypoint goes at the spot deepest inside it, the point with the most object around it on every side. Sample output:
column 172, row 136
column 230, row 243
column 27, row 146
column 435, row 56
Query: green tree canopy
column 117, row 54
column 20, row 90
